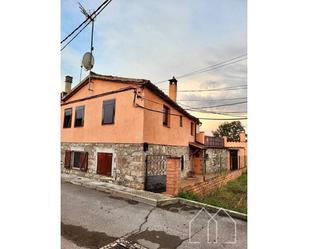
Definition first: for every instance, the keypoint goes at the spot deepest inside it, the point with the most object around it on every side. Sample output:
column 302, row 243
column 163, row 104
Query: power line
column 173, row 114
column 91, row 17
column 209, row 68
column 200, row 100
column 152, row 110
column 229, row 88
column 240, row 87
column 223, row 113
column 230, row 104
column 222, row 119
column 212, row 68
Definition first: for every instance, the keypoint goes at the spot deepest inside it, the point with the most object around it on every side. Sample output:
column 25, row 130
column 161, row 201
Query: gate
column 156, row 173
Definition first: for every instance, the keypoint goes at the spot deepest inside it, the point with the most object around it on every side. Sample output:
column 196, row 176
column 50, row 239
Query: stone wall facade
column 217, row 160
column 173, row 151
column 128, row 166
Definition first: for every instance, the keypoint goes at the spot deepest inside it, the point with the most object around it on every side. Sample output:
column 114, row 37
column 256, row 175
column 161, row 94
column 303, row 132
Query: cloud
column 159, row 39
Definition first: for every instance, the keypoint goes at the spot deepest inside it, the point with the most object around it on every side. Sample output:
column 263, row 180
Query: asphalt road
column 92, row 219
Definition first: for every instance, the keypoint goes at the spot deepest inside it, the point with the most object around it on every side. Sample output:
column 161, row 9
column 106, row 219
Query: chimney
column 67, row 84
column 242, row 137
column 173, row 89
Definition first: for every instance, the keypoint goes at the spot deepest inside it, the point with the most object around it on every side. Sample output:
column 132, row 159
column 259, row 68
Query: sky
column 157, row 40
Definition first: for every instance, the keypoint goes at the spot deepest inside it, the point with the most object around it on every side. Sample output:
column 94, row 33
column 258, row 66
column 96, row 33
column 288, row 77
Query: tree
column 230, row 130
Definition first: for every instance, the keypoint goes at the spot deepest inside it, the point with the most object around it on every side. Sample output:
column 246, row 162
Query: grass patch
column 232, row 196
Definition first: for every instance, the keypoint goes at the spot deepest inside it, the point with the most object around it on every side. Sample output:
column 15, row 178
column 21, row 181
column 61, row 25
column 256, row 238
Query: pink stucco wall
column 155, row 132
column 132, row 124
column 128, row 126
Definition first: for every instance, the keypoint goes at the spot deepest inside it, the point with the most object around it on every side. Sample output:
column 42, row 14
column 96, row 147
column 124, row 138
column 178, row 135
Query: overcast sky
column 159, row 39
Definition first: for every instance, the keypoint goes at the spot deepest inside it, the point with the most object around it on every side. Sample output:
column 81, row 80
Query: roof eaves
column 165, row 97
column 104, row 77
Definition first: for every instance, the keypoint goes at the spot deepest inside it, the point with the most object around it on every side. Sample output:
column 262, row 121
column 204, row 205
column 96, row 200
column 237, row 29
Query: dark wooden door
column 234, row 159
column 104, row 164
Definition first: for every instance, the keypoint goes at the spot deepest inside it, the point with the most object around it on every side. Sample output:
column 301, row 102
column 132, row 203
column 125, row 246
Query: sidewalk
column 153, row 199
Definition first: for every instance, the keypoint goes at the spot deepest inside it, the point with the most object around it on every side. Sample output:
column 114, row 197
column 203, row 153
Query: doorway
column 156, row 168
column 104, row 163
column 234, row 159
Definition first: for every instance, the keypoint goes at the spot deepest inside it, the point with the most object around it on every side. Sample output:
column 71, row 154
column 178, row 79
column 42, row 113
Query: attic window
column 67, row 118
column 166, row 114
column 108, row 112
column 192, row 128
column 79, row 116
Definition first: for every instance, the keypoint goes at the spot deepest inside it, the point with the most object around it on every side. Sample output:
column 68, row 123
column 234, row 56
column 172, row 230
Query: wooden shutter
column 84, row 161
column 67, row 159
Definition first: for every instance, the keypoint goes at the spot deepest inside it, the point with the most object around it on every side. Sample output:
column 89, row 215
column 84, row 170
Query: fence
column 214, row 142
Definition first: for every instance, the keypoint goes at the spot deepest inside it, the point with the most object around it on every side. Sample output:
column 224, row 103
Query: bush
column 189, row 196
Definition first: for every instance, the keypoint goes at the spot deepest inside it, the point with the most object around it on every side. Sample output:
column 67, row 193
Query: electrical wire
column 172, row 114
column 240, row 87
column 209, row 68
column 78, row 27
column 213, row 106
column 200, row 100
column 222, row 119
column 91, row 19
column 230, row 88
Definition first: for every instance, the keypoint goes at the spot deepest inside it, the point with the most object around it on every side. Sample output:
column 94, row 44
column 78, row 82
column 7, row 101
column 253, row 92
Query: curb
column 212, row 208
column 153, row 202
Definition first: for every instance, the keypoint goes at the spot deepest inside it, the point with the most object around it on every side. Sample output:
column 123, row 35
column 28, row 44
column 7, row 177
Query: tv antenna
column 88, row 15
column 88, row 59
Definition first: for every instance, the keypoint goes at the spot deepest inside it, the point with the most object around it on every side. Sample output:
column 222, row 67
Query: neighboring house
column 237, row 156
column 218, row 155
column 122, row 130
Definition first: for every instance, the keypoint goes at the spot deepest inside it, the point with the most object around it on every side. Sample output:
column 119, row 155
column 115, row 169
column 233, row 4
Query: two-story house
column 122, row 130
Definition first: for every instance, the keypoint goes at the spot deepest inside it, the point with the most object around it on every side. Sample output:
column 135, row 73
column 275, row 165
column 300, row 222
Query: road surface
column 92, row 219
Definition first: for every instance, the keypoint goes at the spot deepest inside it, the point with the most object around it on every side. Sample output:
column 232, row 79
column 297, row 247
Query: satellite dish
column 88, row 61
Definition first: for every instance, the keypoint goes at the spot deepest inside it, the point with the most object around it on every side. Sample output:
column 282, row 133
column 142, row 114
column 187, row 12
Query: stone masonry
column 173, row 151
column 128, row 167
column 217, row 160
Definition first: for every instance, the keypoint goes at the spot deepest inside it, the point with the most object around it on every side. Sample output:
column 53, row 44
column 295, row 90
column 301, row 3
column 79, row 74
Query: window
column 192, row 128
column 79, row 116
column 76, row 160
column 67, row 118
column 108, row 112
column 180, row 121
column 166, row 114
